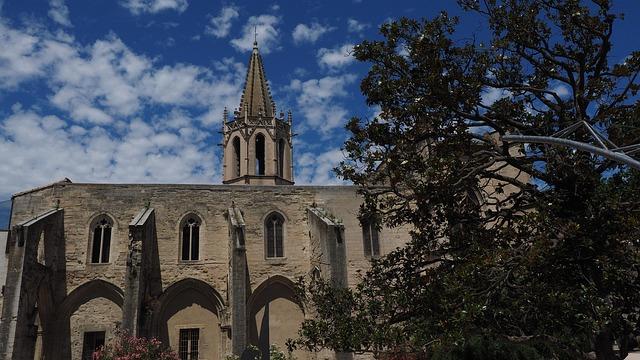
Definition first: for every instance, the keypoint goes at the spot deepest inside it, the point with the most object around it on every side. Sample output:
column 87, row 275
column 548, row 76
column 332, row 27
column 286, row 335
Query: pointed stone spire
column 256, row 97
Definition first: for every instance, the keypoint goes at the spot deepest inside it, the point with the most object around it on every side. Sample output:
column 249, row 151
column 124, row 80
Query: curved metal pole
column 612, row 155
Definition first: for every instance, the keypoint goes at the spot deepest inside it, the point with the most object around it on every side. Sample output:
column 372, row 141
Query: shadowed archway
column 182, row 296
column 84, row 293
column 274, row 313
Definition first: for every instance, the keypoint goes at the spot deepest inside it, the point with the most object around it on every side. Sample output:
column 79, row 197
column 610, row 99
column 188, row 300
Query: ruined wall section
column 291, row 203
column 344, row 204
column 83, row 202
column 97, row 314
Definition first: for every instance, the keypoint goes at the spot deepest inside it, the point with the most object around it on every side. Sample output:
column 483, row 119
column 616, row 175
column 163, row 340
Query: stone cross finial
column 255, row 36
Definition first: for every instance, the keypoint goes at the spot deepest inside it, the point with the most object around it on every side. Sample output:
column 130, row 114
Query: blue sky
column 133, row 90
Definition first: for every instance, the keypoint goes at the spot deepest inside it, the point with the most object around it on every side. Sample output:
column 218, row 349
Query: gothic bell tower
column 257, row 142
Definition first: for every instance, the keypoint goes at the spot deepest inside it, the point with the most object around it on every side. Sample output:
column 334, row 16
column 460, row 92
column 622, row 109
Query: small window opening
column 260, row 154
column 236, row 157
column 92, row 341
column 188, row 347
column 281, row 158
column 191, row 239
column 274, row 235
column 371, row 240
column 101, row 242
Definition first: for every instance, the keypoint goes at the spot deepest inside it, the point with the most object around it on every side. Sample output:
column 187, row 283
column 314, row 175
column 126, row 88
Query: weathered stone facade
column 71, row 295
column 3, row 262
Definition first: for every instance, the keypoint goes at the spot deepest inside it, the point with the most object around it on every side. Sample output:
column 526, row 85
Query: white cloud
column 138, row 7
column 562, row 90
column 309, row 33
column 39, row 149
column 22, row 56
column 220, row 25
column 491, row 95
column 317, row 100
column 335, row 58
column 59, row 12
column 312, row 168
column 107, row 81
column 356, row 26
column 267, row 33
column 110, row 128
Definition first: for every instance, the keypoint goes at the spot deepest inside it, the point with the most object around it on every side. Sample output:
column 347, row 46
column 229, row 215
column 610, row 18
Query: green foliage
column 511, row 245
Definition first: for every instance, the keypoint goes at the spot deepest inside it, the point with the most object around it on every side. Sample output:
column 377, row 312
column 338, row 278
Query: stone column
column 140, row 234
column 25, row 276
column 238, row 281
column 328, row 255
column 328, row 251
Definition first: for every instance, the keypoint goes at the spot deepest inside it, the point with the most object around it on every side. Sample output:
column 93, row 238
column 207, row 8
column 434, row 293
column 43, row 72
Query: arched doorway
column 275, row 315
column 86, row 318
column 188, row 320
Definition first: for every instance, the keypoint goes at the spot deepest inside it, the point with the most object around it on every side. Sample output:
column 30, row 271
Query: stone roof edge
column 38, row 217
column 63, row 181
column 325, row 216
column 141, row 217
column 226, row 186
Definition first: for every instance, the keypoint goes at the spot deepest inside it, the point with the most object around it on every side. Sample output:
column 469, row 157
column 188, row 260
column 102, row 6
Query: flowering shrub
column 127, row 347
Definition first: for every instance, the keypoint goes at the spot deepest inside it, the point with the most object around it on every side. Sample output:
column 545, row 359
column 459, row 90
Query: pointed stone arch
column 84, row 293
column 183, row 295
column 89, row 291
column 274, row 314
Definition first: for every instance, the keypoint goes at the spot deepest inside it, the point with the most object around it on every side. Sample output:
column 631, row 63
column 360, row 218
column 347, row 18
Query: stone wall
column 82, row 203
column 4, row 261
column 95, row 315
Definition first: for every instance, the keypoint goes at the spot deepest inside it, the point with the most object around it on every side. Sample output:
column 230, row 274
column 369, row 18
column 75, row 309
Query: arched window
column 370, row 237
column 236, row 156
column 273, row 233
column 259, row 154
column 101, row 240
column 190, row 249
column 281, row 158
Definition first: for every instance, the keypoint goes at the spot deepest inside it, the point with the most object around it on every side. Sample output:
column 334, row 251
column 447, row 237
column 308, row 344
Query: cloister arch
column 186, row 304
column 61, row 331
column 274, row 315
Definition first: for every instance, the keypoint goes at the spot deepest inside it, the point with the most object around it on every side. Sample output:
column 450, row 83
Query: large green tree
column 516, row 251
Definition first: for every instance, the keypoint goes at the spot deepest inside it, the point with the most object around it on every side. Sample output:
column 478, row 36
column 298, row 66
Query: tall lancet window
column 190, row 238
column 101, row 243
column 371, row 238
column 273, row 229
column 259, row 154
column 281, row 158
column 236, row 156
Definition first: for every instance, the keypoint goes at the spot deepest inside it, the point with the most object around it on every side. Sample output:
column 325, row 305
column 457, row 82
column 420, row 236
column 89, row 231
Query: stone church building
column 207, row 269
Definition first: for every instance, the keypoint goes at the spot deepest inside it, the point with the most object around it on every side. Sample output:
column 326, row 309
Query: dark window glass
column 186, row 234
column 188, row 346
column 191, row 239
column 106, row 244
column 259, row 154
column 91, row 342
column 281, row 158
column 375, row 243
column 274, row 235
column 270, row 240
column 95, row 249
column 236, row 156
column 278, row 228
column 370, row 237
column 101, row 243
column 195, row 241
